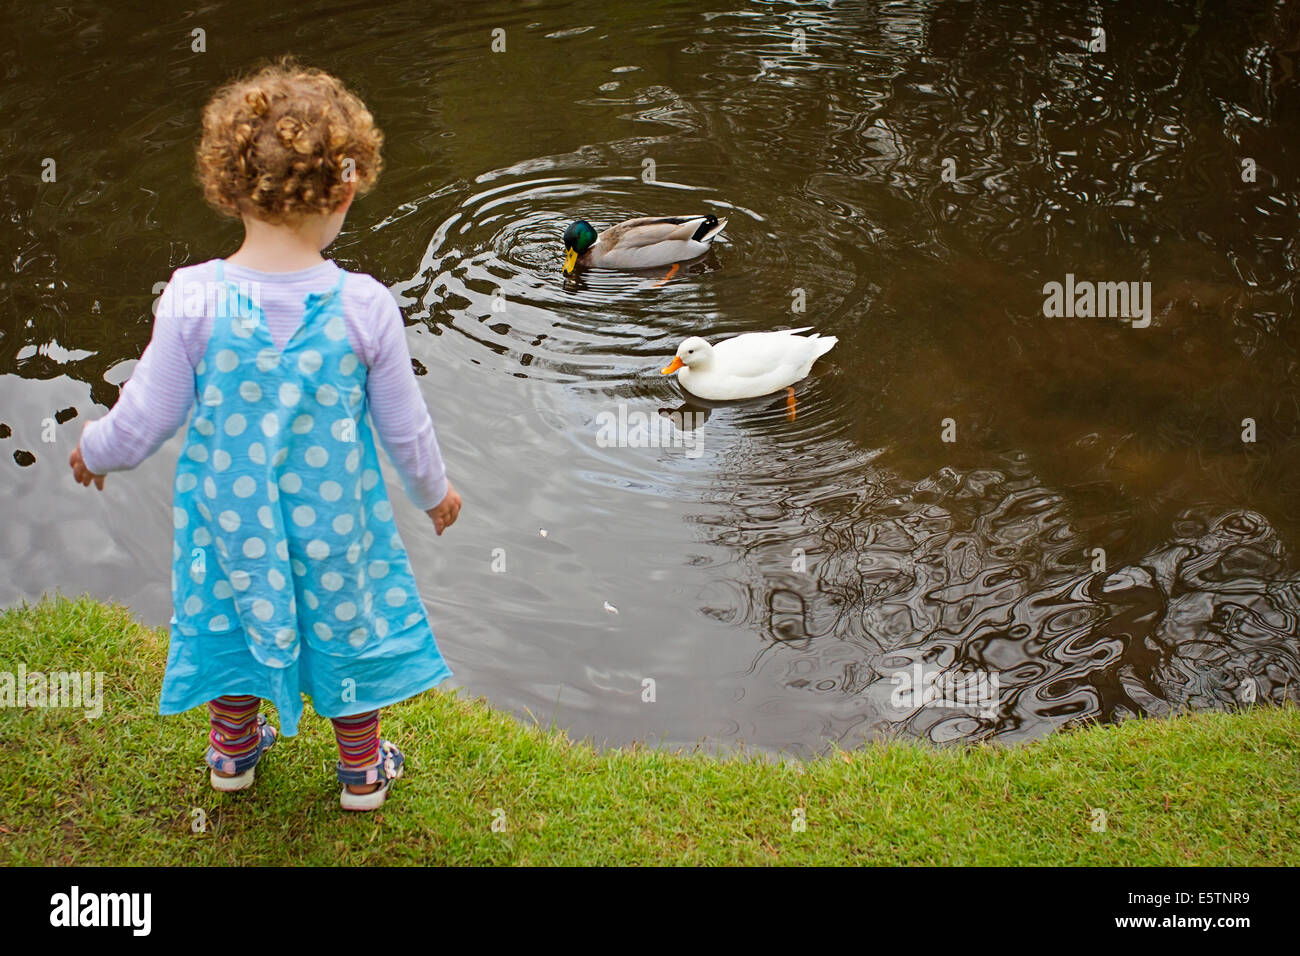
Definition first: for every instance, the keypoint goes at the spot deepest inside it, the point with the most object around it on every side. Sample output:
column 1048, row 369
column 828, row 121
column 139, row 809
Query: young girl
column 289, row 576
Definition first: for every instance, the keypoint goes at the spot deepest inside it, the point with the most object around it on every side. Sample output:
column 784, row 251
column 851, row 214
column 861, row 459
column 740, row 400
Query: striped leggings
column 233, row 722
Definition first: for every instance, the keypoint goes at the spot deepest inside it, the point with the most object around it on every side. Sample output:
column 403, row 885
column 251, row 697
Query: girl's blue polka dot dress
column 289, row 576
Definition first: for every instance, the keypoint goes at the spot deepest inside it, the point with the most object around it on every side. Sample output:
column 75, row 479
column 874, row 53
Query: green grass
column 122, row 789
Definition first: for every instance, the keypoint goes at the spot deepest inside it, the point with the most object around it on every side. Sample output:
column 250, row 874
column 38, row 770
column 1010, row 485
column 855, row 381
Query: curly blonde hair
column 285, row 142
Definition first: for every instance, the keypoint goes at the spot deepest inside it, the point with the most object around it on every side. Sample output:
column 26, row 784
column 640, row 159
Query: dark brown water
column 774, row 578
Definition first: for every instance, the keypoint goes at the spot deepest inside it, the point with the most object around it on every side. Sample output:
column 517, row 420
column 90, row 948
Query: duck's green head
column 578, row 238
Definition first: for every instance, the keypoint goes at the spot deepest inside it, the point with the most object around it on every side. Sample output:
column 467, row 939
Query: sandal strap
column 385, row 769
column 266, row 735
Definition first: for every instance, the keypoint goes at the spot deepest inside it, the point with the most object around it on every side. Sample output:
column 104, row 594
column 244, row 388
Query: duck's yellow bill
column 672, row 367
column 570, row 260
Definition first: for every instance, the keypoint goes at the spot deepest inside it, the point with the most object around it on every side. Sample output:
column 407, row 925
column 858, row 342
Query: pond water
column 912, row 174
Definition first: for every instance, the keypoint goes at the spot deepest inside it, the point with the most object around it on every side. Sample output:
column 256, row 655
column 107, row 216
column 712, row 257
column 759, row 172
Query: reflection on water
column 1097, row 537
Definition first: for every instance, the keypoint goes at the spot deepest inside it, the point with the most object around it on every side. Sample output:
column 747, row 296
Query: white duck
column 749, row 365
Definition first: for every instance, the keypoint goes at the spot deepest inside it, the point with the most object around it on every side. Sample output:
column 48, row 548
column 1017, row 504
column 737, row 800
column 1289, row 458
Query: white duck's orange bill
column 674, row 366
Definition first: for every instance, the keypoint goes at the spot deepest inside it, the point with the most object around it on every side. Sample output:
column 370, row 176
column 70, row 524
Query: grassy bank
column 124, row 788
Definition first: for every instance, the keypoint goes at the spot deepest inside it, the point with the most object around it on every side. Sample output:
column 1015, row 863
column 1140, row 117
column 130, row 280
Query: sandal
column 242, row 768
column 388, row 769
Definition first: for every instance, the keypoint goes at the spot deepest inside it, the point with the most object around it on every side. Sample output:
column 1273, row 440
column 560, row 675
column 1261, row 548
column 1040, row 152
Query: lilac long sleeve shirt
column 157, row 399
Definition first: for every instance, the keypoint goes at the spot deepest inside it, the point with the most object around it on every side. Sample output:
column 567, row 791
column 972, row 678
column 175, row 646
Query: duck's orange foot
column 789, row 403
column 671, row 272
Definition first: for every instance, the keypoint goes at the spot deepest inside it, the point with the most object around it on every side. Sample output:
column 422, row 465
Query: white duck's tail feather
column 824, row 344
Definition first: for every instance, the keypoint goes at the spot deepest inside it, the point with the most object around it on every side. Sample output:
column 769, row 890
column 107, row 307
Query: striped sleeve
column 154, row 402
column 400, row 414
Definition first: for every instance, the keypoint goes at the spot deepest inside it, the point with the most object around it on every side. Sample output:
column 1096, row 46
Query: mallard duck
column 749, row 365
column 646, row 243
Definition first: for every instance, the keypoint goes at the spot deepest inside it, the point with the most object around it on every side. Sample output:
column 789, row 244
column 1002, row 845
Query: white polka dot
column 250, row 391
column 243, row 325
column 367, row 539
column 310, row 600
column 348, row 364
column 279, row 457
column 204, row 427
column 346, row 611
column 202, row 366
column 383, row 511
column 361, row 583
column 343, row 429
column 290, row 482
column 272, row 491
column 239, row 580
column 309, row 362
column 378, row 569
column 219, row 623
column 282, row 550
column 381, row 627
column 353, row 459
column 254, row 548
column 317, row 456
column 331, row 580
column 267, row 359
column 354, row 396
column 270, row 424
column 298, row 567
column 222, row 591
column 221, row 459
column 265, row 518
column 257, row 453
column 236, row 424
column 303, row 424
column 209, row 487
column 227, row 360
column 275, row 579
column 395, row 542
column 229, row 521
column 357, row 637
column 193, row 605
column 334, row 329
column 395, row 597
column 342, row 524
column 202, row 538
column 317, row 549
column 196, row 453
column 322, row 630
column 221, row 549
column 244, row 487
column 331, row 491
column 370, row 598
column 354, row 552
column 263, row 609
column 327, row 395
column 179, row 518
column 187, row 481
column 284, row 637
column 290, row 394
column 212, row 397
column 304, row 516
column 413, row 618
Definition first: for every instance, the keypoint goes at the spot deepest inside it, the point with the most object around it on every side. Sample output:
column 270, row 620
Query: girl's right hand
column 444, row 516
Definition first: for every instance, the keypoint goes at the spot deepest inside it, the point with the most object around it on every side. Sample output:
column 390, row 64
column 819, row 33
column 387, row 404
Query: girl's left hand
column 83, row 474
